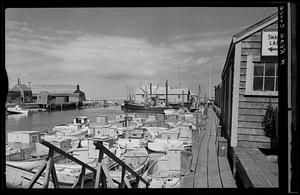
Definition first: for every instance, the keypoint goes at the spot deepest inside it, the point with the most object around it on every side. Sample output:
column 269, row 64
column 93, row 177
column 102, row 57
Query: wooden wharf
column 209, row 169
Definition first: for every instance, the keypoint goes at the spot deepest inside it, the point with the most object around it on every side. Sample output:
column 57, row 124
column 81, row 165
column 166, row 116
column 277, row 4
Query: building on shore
column 20, row 93
column 249, row 85
column 57, row 94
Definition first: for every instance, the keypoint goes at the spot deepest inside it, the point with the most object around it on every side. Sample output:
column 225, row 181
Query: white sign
column 269, row 43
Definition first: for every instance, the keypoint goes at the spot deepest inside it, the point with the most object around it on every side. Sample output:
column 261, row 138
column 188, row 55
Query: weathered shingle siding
column 252, row 108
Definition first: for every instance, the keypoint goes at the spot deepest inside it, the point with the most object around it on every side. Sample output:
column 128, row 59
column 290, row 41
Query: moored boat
column 137, row 160
column 16, row 110
column 17, row 177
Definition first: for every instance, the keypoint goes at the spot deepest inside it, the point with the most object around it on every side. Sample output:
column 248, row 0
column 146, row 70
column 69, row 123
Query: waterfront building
column 20, row 93
column 57, row 94
column 249, row 85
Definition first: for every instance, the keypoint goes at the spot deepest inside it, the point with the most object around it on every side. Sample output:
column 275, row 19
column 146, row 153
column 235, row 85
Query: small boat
column 166, row 171
column 26, row 164
column 19, row 178
column 163, row 145
column 137, row 160
column 17, row 110
column 129, row 144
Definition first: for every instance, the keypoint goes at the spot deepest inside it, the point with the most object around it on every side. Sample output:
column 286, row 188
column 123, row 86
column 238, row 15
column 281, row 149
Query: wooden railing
column 101, row 174
column 50, row 168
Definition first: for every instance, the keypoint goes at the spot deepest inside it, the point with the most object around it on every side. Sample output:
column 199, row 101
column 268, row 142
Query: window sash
column 263, row 76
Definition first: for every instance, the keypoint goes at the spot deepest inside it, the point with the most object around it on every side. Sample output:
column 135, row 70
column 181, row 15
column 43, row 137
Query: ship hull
column 132, row 107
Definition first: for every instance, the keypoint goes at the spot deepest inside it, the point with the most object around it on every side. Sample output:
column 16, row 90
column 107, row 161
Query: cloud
column 54, row 55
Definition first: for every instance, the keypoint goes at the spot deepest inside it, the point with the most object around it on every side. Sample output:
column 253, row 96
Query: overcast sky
column 105, row 50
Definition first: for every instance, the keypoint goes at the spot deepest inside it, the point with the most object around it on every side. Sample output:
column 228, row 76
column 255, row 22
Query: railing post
column 122, row 177
column 48, row 168
column 99, row 175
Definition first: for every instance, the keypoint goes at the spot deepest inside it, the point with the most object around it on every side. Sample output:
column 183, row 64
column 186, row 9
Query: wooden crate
column 222, row 146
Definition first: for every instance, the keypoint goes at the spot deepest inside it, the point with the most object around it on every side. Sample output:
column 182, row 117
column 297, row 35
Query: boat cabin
column 81, row 120
column 137, row 133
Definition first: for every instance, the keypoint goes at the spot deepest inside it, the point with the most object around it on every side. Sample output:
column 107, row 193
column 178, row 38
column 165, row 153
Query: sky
column 107, row 50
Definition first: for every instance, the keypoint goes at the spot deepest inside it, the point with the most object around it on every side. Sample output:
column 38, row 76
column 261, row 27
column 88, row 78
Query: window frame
column 250, row 77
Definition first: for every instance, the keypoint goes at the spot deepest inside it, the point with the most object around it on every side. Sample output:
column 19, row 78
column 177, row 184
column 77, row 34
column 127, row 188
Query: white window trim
column 249, row 81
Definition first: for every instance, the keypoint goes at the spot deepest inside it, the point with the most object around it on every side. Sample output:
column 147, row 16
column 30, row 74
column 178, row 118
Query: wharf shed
column 20, row 93
column 249, row 84
column 57, row 94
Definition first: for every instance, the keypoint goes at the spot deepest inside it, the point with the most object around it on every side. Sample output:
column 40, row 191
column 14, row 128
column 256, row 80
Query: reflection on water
column 17, row 117
column 38, row 121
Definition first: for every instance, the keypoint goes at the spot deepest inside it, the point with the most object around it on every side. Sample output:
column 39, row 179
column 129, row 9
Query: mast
column 167, row 93
column 178, row 76
column 209, row 83
column 198, row 98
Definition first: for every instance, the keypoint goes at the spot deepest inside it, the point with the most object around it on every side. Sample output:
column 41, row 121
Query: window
column 261, row 77
column 265, row 77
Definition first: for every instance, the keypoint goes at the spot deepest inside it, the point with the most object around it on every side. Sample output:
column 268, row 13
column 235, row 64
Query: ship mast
column 178, row 76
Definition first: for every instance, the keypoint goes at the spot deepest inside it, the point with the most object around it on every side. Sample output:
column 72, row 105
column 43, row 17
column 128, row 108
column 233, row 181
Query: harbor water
column 42, row 121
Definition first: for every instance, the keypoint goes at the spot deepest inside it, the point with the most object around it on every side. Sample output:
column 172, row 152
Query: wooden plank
column 242, row 85
column 214, row 180
column 251, row 51
column 243, row 71
column 47, row 173
column 97, row 182
column 258, row 105
column 37, row 174
column 108, row 177
column 254, row 37
column 253, row 144
column 254, row 138
column 249, row 111
column 200, row 180
column 243, row 63
column 225, row 173
column 251, row 44
column 243, row 78
column 187, row 181
column 251, row 131
column 235, row 94
column 270, row 169
column 54, row 177
column 258, row 118
column 250, row 124
column 251, row 175
column 196, row 151
column 244, row 57
column 258, row 99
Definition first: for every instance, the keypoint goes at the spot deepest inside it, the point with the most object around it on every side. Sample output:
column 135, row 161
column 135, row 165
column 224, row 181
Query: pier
column 209, row 169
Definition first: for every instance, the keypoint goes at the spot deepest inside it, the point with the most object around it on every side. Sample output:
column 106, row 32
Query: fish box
column 103, row 119
column 23, row 139
column 60, row 142
column 222, row 146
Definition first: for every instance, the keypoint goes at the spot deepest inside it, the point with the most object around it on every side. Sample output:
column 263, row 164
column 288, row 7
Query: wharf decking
column 208, row 169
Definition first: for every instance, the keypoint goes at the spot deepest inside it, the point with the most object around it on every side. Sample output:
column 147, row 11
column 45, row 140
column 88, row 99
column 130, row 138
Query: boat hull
column 19, row 178
column 133, row 107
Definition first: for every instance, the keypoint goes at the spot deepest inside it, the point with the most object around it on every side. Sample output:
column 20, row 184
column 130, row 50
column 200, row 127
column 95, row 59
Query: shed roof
column 54, row 89
column 248, row 32
column 20, row 87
